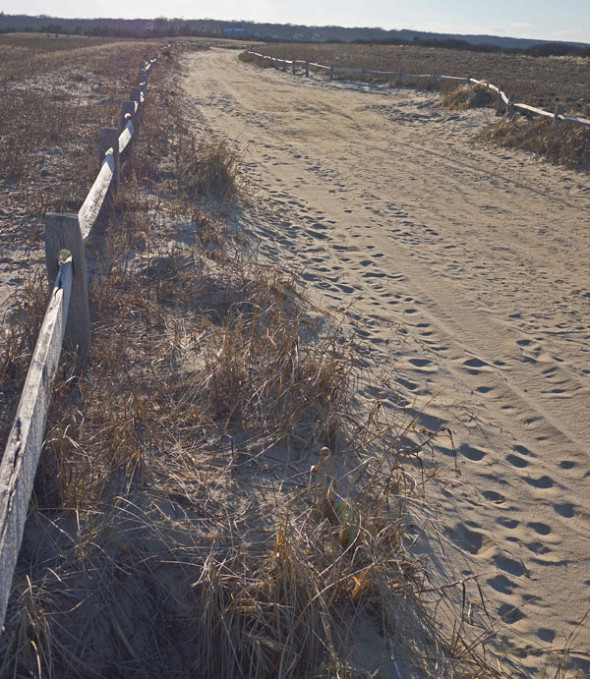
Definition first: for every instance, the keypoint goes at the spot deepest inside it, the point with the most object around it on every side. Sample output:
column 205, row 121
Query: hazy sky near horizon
column 543, row 19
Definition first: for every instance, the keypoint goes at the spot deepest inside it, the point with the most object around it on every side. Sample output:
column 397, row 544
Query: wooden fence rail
column 505, row 104
column 67, row 314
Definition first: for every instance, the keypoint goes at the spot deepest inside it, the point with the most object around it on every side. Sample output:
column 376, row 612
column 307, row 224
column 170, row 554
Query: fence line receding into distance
column 505, row 104
column 67, row 310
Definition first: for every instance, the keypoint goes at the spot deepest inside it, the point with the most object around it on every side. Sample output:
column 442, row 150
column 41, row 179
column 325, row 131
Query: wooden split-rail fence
column 67, row 311
column 506, row 104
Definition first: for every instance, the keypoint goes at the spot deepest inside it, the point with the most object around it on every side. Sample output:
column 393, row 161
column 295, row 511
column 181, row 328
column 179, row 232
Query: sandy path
column 468, row 270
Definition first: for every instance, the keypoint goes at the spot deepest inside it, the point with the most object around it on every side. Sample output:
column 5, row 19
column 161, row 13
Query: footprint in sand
column 537, row 547
column 521, row 450
column 505, row 522
column 516, row 461
column 422, row 365
column 540, row 528
column 468, row 539
column 509, row 565
column 542, row 482
column 471, row 453
column 502, row 584
column 493, row 496
column 545, row 634
column 564, row 509
column 510, row 614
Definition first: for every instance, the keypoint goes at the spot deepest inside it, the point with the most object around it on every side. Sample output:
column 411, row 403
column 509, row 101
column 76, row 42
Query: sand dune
column 465, row 272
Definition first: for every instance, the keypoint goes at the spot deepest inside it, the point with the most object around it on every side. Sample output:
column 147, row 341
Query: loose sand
column 465, row 272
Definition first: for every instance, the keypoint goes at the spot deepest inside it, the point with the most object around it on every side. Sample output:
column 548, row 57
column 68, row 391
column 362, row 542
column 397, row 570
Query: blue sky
column 547, row 19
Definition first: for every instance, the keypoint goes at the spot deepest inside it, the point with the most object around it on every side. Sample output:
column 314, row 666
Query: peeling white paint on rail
column 91, row 206
column 125, row 136
column 21, row 456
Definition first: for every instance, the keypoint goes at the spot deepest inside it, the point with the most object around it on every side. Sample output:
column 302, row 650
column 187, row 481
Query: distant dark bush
column 558, row 49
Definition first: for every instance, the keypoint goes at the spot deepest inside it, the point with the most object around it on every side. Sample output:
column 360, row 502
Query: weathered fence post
column 143, row 78
column 109, row 139
column 362, row 74
column 400, row 77
column 135, row 96
column 62, row 232
column 558, row 112
column 468, row 78
column 294, row 67
column 284, row 65
column 500, row 105
column 127, row 109
column 435, row 80
column 331, row 72
column 510, row 110
column 307, row 69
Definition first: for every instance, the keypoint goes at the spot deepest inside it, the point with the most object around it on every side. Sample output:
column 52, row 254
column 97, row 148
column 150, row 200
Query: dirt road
column 466, row 273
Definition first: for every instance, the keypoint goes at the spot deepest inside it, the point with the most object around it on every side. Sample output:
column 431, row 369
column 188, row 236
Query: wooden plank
column 575, row 119
column 108, row 141
column 532, row 109
column 94, row 200
column 21, row 456
column 125, row 136
column 62, row 231
column 128, row 109
column 451, row 77
column 381, row 72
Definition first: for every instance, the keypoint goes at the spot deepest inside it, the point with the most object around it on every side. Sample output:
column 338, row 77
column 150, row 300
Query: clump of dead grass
column 209, row 167
column 467, row 96
column 567, row 145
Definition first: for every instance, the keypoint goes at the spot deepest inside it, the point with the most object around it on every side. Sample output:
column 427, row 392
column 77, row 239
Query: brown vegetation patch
column 468, row 96
column 567, row 145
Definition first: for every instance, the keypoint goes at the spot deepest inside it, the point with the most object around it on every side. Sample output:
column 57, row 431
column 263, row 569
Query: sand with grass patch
column 464, row 272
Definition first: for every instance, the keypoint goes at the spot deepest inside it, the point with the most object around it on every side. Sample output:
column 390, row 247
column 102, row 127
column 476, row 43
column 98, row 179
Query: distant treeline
column 543, row 49
column 110, row 28
column 259, row 32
